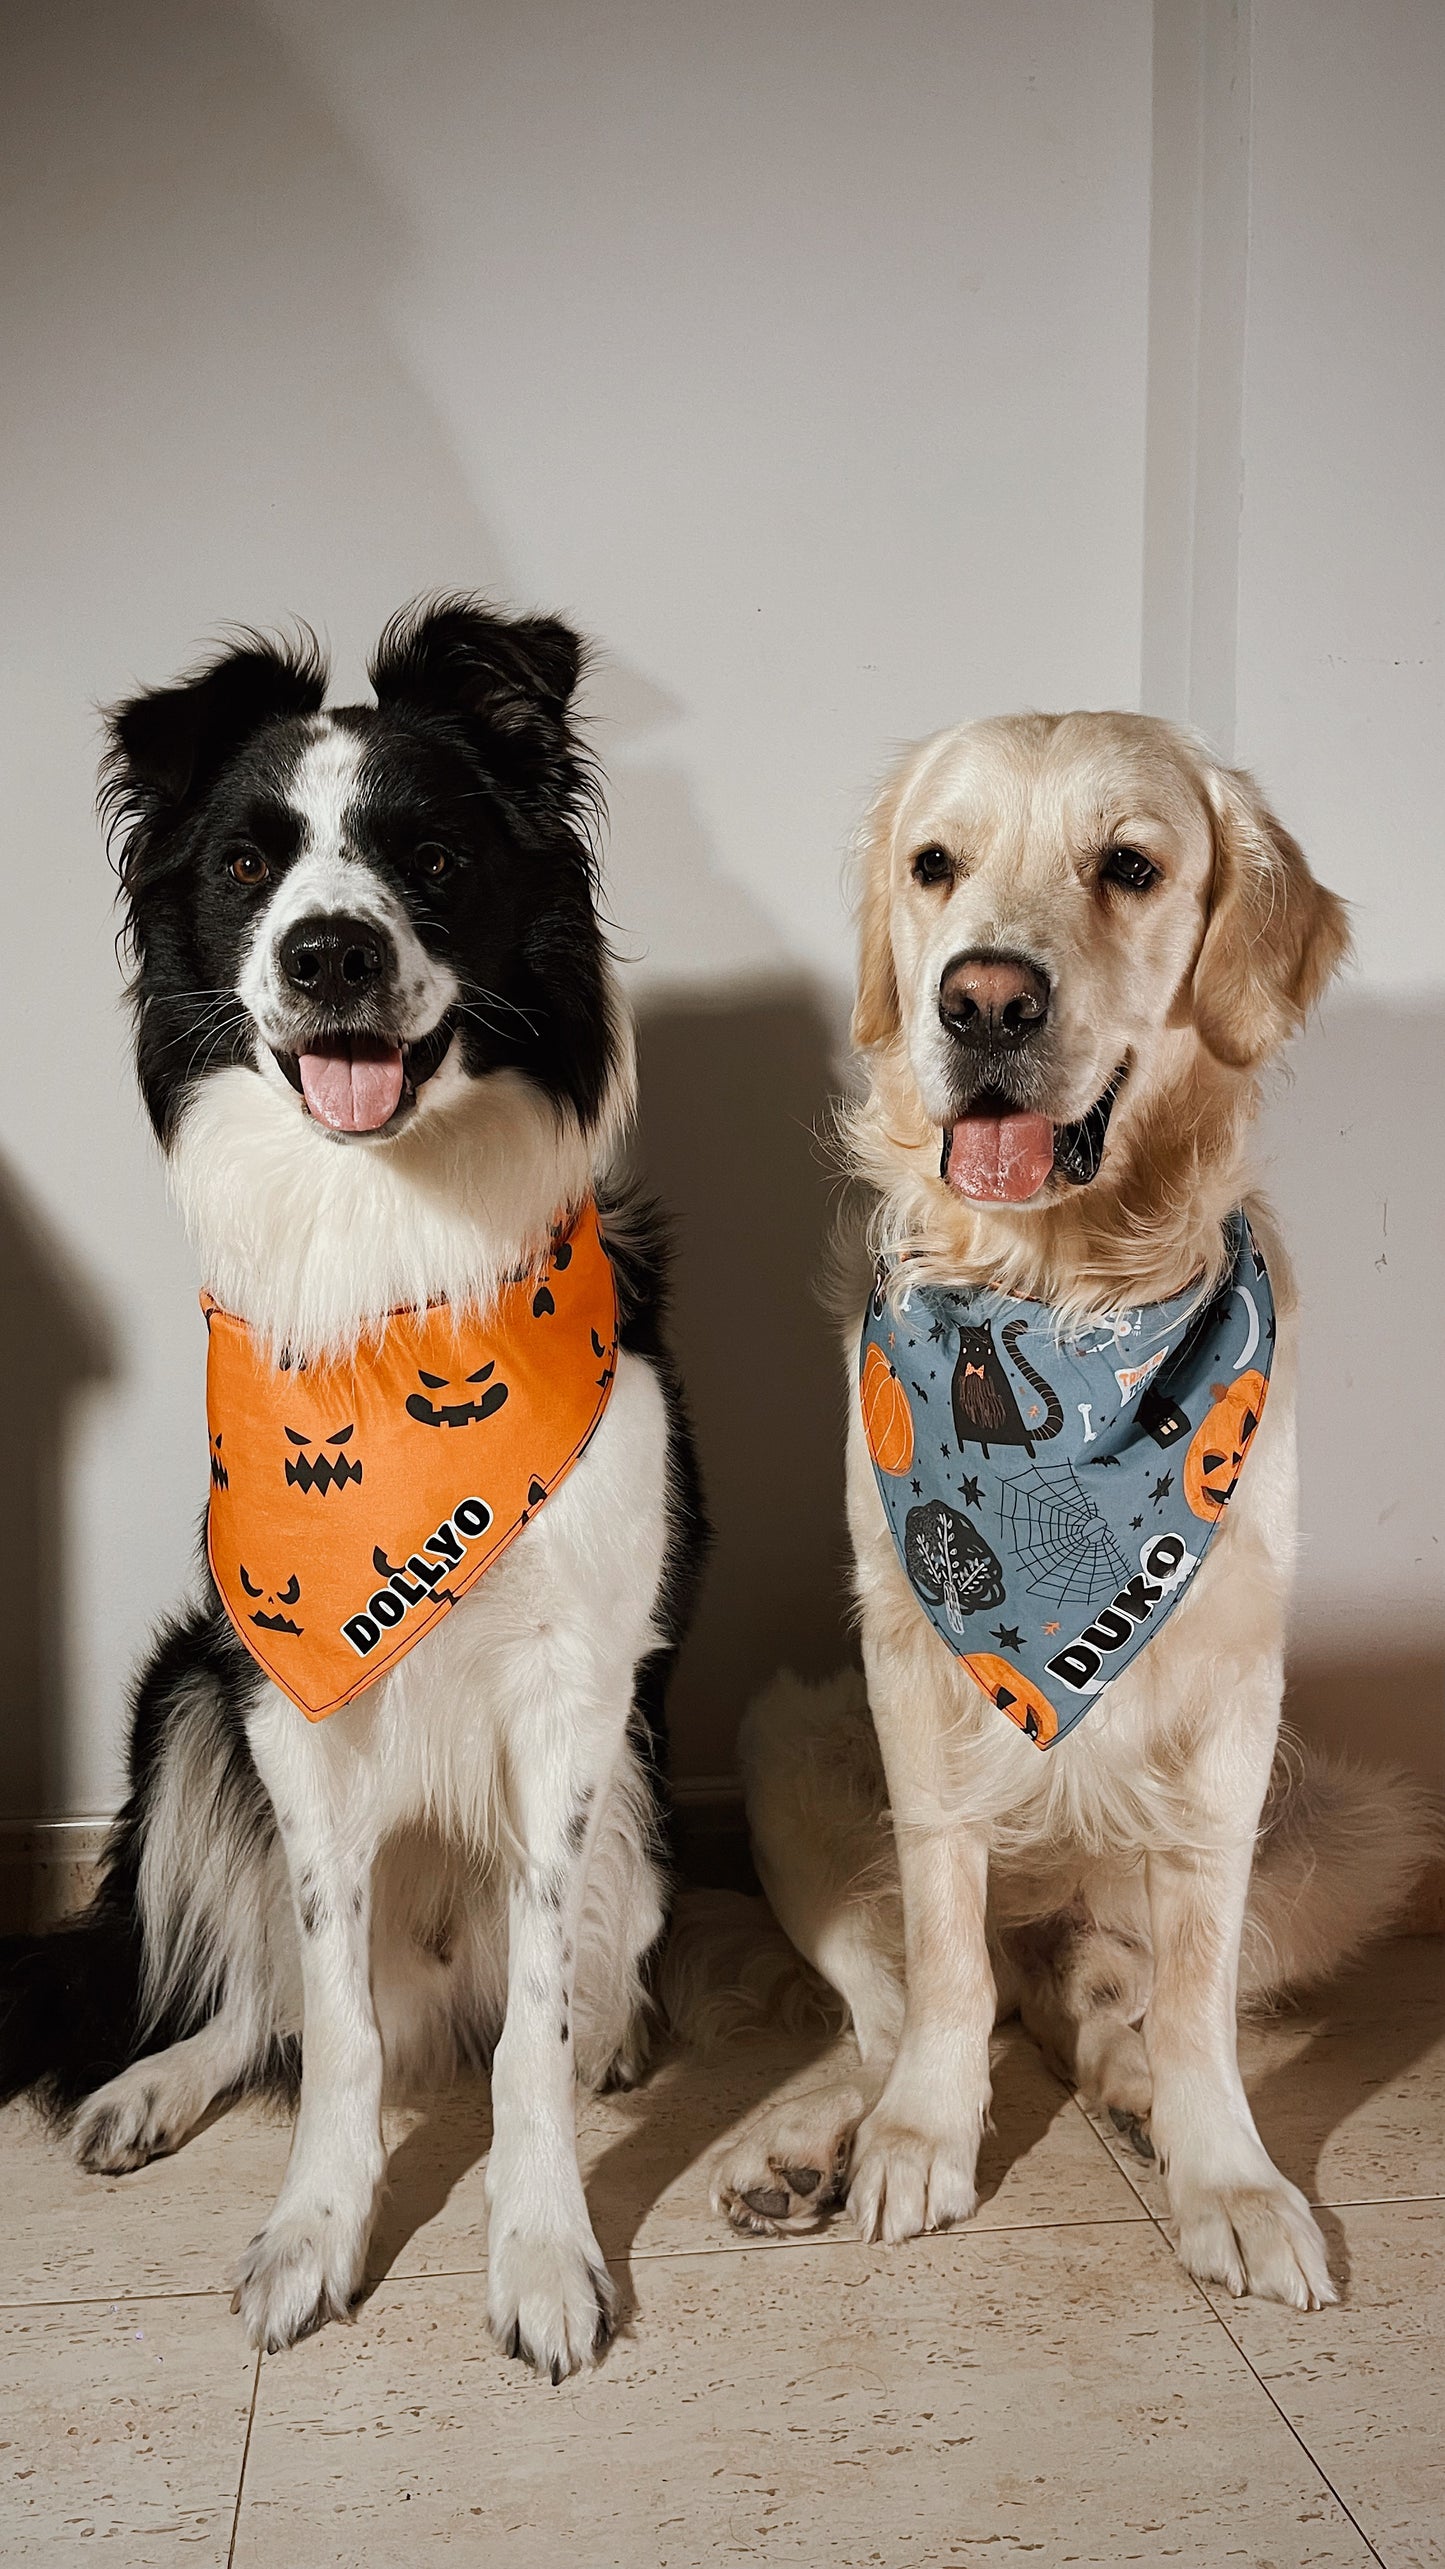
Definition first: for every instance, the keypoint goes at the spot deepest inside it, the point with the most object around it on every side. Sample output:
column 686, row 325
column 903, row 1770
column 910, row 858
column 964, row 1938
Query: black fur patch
column 469, row 746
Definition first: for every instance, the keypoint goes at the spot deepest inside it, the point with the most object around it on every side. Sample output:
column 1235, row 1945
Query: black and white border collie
column 379, row 1038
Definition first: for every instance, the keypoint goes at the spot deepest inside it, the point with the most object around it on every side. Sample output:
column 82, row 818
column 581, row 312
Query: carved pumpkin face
column 277, row 1599
column 1216, row 1455
column 887, row 1418
column 220, row 1477
column 463, row 1411
column 322, row 1463
column 1014, row 1694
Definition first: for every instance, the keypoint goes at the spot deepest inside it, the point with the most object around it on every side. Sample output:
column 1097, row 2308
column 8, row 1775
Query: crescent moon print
column 1252, row 1341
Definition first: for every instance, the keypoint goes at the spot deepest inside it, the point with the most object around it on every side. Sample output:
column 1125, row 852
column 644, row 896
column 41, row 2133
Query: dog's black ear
column 168, row 744
column 511, row 677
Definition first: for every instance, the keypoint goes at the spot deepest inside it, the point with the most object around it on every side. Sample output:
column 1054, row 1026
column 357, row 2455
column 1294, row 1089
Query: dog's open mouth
column 998, row 1154
column 361, row 1083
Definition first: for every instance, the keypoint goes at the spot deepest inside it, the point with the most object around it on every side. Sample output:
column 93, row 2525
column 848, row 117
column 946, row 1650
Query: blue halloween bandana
column 1051, row 1496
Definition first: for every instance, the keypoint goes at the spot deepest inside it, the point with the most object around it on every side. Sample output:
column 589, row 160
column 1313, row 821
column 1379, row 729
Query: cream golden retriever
column 1082, row 941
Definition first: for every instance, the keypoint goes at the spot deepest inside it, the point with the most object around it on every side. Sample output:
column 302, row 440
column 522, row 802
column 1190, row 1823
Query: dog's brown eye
column 932, row 865
column 1129, row 866
column 249, row 866
column 433, row 861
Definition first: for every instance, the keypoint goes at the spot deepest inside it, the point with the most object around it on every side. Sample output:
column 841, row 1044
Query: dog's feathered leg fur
column 1339, row 1851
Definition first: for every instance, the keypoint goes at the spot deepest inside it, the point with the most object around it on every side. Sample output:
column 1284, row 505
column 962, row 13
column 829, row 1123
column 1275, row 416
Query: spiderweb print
column 1064, row 1546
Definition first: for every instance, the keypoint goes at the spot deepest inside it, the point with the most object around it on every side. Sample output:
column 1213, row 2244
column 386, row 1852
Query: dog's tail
column 729, row 1971
column 70, row 2004
column 1341, row 1850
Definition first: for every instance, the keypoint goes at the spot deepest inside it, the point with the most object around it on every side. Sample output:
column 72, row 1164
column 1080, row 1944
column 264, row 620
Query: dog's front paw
column 785, row 2170
column 550, row 2299
column 124, row 2125
column 1258, row 2237
column 301, row 2270
column 905, row 2181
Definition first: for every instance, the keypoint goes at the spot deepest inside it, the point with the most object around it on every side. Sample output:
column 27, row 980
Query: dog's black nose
column 993, row 1001
column 335, row 960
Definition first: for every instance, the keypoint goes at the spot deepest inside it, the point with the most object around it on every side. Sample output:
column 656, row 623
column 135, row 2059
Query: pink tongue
column 354, row 1084
column 1000, row 1159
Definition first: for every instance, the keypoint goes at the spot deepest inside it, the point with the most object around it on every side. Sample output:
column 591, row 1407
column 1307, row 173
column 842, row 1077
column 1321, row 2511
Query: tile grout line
column 1233, row 2343
column 245, row 2457
column 832, row 2237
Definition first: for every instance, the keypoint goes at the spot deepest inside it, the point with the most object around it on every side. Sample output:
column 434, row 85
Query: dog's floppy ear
column 877, row 1014
column 168, row 743
column 512, row 677
column 1274, row 936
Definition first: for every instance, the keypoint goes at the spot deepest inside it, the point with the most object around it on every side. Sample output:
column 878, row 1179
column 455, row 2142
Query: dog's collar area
column 420, row 1061
column 1078, row 1147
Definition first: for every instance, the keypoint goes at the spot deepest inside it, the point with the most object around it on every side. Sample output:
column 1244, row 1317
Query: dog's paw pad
column 785, row 2171
column 1132, row 2129
column 804, row 2180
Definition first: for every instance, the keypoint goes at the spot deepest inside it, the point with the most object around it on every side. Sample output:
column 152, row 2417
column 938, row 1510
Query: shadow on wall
column 734, row 1092
column 1355, row 1162
column 53, row 1344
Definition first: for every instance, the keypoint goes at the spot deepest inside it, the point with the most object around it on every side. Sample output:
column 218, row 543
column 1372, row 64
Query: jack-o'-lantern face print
column 468, row 1406
column 1215, row 1458
column 1014, row 1694
column 220, row 1475
column 322, row 1463
column 274, row 1616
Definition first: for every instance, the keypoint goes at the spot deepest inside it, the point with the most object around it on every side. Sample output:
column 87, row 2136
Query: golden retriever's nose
column 993, row 1000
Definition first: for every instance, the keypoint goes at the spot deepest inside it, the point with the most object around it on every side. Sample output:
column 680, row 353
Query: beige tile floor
column 1046, row 2384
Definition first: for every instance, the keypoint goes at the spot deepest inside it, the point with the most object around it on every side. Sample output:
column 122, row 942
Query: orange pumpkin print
column 1014, row 1694
column 1217, row 1450
column 887, row 1418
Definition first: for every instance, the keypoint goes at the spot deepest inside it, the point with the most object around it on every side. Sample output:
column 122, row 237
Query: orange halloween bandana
column 352, row 1503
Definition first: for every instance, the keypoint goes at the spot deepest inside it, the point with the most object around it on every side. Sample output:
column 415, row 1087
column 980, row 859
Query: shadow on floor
column 1366, row 2031
column 54, row 1344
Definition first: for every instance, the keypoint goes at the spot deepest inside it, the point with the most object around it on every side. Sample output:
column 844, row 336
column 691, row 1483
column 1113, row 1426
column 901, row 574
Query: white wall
column 1294, row 586
column 1341, row 597
column 803, row 354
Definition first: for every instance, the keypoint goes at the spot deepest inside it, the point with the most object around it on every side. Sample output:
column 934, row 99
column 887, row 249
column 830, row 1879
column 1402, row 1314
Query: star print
column 1007, row 1637
column 943, row 1449
column 970, row 1493
column 1161, row 1489
column 1134, row 1524
column 1051, row 1627
column 917, row 1489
